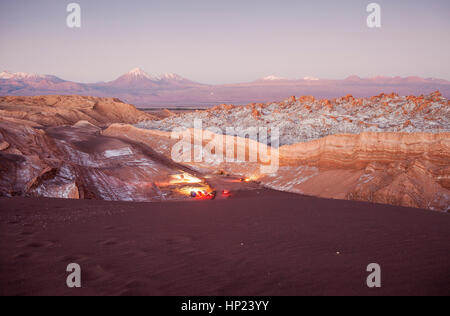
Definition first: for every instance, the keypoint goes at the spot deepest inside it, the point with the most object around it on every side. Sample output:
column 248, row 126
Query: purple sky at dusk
column 229, row 41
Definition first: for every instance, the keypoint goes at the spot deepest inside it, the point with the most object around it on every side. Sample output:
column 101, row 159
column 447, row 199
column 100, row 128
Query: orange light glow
column 188, row 190
column 184, row 178
column 249, row 179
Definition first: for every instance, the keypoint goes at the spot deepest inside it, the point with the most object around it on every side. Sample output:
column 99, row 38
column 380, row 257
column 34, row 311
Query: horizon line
column 268, row 78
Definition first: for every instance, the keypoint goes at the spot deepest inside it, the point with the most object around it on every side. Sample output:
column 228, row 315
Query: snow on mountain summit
column 311, row 79
column 171, row 76
column 6, row 75
column 24, row 76
column 19, row 75
column 272, row 78
column 138, row 73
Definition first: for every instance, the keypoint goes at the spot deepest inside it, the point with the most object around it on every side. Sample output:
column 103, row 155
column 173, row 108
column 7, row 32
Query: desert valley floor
column 247, row 245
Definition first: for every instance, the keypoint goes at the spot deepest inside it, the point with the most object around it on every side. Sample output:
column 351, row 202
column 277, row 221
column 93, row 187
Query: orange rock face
column 327, row 103
column 357, row 151
column 68, row 110
column 348, row 98
column 309, row 99
column 255, row 113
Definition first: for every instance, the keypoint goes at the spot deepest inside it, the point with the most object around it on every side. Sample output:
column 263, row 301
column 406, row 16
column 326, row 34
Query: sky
column 217, row 41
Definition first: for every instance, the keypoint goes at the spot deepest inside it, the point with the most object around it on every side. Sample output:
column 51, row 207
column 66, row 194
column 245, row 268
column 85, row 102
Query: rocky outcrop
column 403, row 162
column 305, row 119
column 29, row 152
column 410, row 184
column 75, row 162
column 3, row 145
column 68, row 110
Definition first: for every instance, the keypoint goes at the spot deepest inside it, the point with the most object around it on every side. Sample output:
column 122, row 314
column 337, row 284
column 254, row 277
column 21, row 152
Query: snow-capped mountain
column 135, row 79
column 276, row 78
column 311, row 79
column 138, row 73
column 172, row 77
column 166, row 90
column 23, row 76
column 272, row 78
column 138, row 78
column 6, row 75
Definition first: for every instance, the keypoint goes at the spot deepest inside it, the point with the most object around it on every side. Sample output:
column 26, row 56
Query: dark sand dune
column 256, row 243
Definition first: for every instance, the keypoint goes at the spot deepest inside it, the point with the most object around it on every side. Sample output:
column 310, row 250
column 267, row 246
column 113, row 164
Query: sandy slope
column 257, row 243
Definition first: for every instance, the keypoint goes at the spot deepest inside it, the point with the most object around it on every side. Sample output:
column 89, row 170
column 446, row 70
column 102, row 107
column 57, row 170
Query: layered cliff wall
column 356, row 151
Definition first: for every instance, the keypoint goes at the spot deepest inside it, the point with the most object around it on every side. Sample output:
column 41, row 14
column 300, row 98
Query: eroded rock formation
column 43, row 154
column 304, row 119
column 77, row 162
column 68, row 110
column 396, row 150
column 391, row 168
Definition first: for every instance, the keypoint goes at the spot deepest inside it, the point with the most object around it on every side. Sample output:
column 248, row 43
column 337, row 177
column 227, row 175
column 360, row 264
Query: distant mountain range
column 171, row 90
